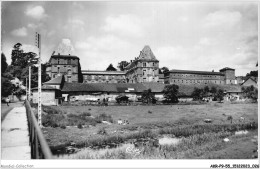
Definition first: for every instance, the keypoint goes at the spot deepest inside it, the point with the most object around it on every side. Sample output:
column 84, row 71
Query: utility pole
column 38, row 44
column 26, row 89
column 29, row 92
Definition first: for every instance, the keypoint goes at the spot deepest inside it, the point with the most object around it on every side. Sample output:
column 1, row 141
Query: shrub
column 86, row 114
column 52, row 120
column 80, row 126
column 150, row 112
column 54, row 125
column 63, row 126
column 104, row 117
column 102, row 131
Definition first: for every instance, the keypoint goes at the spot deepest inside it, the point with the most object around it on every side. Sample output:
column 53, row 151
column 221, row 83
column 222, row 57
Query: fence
column 39, row 146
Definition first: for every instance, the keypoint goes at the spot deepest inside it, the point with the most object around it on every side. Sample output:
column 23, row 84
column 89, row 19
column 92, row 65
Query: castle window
column 144, row 64
column 153, row 64
column 69, row 61
column 58, row 69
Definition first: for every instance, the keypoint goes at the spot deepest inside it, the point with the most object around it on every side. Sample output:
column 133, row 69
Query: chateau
column 68, row 82
column 143, row 69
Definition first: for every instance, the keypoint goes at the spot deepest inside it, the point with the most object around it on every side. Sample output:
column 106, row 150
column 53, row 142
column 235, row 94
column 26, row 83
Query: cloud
column 183, row 19
column 29, row 48
column 76, row 22
column 127, row 25
column 99, row 52
column 103, row 43
column 205, row 41
column 82, row 45
column 224, row 19
column 20, row 32
column 32, row 26
column 36, row 12
column 51, row 33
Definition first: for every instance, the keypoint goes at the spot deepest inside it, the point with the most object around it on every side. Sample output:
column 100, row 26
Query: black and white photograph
column 134, row 80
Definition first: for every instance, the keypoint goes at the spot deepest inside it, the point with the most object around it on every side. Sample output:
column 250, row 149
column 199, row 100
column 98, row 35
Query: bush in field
column 52, row 120
column 50, row 110
column 197, row 94
column 220, row 95
column 148, row 97
column 86, row 114
column 80, row 126
column 102, row 131
column 104, row 117
column 150, row 112
column 63, row 126
column 170, row 93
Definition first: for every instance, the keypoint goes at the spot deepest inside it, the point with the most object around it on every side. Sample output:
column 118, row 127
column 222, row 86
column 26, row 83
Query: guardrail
column 39, row 146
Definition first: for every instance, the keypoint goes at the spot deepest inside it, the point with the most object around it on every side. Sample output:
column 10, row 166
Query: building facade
column 193, row 77
column 144, row 68
column 224, row 76
column 66, row 65
column 103, row 76
column 229, row 77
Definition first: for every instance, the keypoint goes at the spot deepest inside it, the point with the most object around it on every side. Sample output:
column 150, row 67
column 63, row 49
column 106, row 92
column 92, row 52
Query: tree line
column 171, row 94
column 19, row 68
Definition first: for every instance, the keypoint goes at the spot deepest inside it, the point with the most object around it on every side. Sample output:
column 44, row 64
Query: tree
column 220, row 95
column 20, row 66
column 197, row 94
column 122, row 65
column 17, row 54
column 252, row 73
column 111, row 68
column 213, row 91
column 4, row 64
column 7, row 87
column 206, row 91
column 148, row 97
column 250, row 92
column 170, row 93
column 163, row 70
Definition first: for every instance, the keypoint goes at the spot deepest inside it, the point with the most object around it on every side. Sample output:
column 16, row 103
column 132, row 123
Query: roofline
column 226, row 68
column 195, row 72
column 64, row 56
column 248, row 79
column 102, row 72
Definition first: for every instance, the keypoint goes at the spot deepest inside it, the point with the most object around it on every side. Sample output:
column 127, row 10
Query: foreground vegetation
column 148, row 123
column 204, row 146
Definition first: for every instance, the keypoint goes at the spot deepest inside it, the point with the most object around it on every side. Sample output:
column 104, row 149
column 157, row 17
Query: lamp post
column 38, row 44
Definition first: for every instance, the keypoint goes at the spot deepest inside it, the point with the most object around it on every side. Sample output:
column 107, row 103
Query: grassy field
column 182, row 120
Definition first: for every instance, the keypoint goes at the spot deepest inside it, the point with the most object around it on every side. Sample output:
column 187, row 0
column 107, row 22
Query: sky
column 201, row 36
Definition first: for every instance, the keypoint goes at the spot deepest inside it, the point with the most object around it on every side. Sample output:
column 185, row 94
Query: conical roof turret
column 147, row 53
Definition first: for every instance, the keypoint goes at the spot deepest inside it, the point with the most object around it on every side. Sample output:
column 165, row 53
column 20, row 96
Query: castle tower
column 229, row 75
column 64, row 62
column 145, row 68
